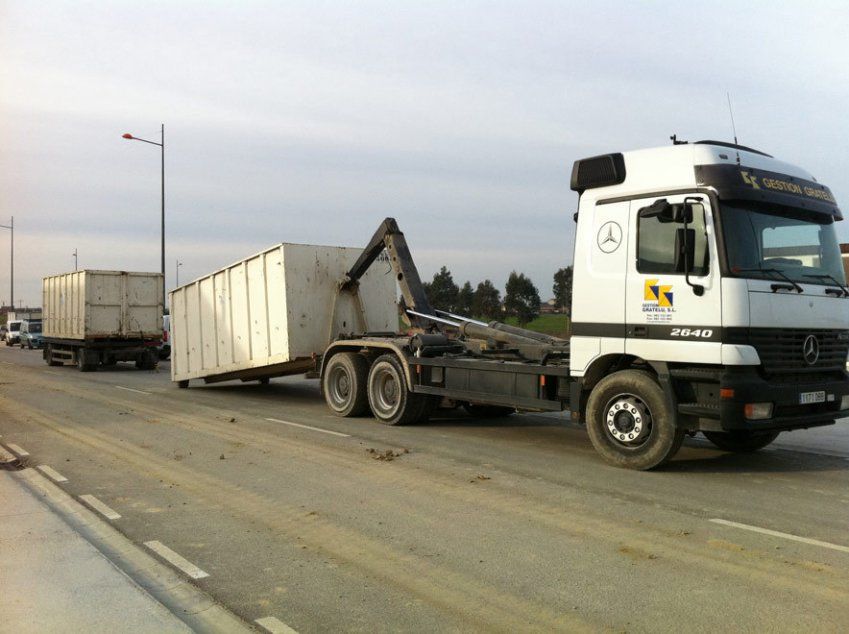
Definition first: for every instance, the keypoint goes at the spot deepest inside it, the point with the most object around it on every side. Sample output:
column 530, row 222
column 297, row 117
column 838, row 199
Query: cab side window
column 659, row 240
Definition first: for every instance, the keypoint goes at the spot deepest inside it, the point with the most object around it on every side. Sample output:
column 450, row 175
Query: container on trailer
column 271, row 314
column 88, row 305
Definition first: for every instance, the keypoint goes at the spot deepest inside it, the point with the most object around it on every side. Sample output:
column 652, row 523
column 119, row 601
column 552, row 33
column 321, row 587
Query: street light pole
column 177, row 271
column 75, row 259
column 11, row 226
column 162, row 228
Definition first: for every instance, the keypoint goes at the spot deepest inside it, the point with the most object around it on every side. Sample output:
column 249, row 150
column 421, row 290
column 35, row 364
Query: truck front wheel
column 390, row 400
column 344, row 384
column 630, row 423
column 741, row 441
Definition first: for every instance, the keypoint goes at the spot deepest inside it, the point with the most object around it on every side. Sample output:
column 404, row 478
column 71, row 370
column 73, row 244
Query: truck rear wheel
column 390, row 400
column 630, row 423
column 742, row 440
column 82, row 362
column 344, row 384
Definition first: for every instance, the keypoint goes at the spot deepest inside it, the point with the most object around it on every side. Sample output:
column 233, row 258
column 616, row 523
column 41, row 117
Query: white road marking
column 273, row 625
column 176, row 560
column 51, row 473
column 325, row 431
column 772, row 533
column 129, row 389
column 17, row 450
column 100, row 507
column 6, row 456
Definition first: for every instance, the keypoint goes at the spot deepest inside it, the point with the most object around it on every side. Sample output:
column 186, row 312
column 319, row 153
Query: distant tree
column 442, row 292
column 464, row 299
column 522, row 298
column 563, row 288
column 487, row 301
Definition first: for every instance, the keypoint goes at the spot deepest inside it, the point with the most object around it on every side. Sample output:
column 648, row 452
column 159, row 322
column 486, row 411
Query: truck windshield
column 799, row 244
column 36, row 328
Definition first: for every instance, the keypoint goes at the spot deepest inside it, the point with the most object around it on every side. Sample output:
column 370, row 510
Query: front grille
column 781, row 350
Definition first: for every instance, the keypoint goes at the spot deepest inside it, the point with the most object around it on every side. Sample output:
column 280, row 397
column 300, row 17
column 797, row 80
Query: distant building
column 549, row 307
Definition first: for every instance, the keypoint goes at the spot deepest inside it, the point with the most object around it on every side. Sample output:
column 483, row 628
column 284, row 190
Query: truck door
column 667, row 318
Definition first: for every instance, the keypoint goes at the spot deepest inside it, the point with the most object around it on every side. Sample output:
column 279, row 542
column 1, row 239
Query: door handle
column 640, row 331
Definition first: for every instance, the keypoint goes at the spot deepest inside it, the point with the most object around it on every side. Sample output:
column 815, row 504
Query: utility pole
column 75, row 259
column 177, row 266
column 11, row 227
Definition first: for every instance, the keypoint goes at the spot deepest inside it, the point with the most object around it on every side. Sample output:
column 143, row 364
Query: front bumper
column 787, row 413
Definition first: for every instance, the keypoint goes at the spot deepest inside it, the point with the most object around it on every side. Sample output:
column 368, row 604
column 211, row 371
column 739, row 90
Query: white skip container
column 96, row 318
column 274, row 313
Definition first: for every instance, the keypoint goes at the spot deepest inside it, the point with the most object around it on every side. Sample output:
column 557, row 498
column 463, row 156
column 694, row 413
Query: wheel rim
column 385, row 390
column 627, row 420
column 339, row 387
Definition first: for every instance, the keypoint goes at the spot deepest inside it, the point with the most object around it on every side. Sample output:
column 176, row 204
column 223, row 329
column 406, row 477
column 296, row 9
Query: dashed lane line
column 51, row 473
column 19, row 451
column 100, row 507
column 176, row 560
column 129, row 389
column 772, row 533
column 324, row 431
column 273, row 625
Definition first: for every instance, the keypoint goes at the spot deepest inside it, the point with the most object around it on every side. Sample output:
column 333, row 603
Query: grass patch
column 555, row 325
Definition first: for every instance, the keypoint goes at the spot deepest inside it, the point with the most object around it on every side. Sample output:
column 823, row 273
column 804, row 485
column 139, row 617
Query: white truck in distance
column 708, row 296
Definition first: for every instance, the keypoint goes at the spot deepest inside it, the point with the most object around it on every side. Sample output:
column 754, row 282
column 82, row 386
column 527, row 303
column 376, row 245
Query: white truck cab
column 716, row 268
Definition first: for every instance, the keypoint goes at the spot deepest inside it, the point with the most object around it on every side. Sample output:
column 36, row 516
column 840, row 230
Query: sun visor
column 738, row 182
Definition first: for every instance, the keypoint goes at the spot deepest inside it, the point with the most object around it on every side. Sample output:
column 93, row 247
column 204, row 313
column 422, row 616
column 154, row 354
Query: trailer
column 97, row 318
column 273, row 314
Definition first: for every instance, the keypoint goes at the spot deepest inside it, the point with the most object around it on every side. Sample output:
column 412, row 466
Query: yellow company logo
column 750, row 180
column 654, row 292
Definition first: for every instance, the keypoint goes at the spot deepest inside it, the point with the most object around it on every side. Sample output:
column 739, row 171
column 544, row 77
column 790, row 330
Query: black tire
column 164, row 354
column 390, row 400
column 741, row 441
column 264, row 381
column 83, row 366
column 476, row 410
column 147, row 360
column 344, row 384
column 632, row 405
column 48, row 358
column 30, row 346
column 182, row 384
column 109, row 361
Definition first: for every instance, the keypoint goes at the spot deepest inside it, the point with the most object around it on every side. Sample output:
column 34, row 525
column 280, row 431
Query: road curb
column 187, row 602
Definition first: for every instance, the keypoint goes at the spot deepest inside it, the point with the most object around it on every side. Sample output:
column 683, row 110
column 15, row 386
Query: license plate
column 806, row 398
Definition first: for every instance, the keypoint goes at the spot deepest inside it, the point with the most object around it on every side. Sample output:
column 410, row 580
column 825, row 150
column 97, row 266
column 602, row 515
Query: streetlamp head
column 127, row 135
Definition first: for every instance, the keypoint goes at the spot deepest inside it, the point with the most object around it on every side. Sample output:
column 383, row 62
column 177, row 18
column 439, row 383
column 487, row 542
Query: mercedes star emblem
column 609, row 237
column 811, row 350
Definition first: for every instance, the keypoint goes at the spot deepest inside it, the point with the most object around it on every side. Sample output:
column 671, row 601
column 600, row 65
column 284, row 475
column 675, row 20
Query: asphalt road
column 501, row 525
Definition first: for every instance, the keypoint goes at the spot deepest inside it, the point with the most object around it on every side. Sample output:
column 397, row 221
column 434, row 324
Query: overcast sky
column 312, row 121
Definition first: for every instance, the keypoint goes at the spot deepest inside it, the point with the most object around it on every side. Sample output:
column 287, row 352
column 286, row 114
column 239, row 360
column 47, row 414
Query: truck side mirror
column 682, row 213
column 658, row 208
column 685, row 250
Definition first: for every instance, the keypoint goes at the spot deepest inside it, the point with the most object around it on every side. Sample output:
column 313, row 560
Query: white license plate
column 806, row 398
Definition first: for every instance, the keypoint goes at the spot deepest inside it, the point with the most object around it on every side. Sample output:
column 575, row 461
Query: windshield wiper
column 825, row 276
column 793, row 284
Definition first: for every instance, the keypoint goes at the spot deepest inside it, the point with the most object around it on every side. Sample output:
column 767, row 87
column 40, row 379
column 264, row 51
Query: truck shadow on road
column 698, row 458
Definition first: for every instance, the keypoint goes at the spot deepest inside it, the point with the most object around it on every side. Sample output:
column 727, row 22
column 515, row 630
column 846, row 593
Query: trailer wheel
column 741, row 441
column 183, row 384
column 344, row 384
column 630, row 422
column 390, row 400
column 48, row 357
column 476, row 410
